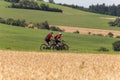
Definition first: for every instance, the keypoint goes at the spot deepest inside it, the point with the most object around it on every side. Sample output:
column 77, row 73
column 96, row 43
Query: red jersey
column 57, row 37
column 49, row 36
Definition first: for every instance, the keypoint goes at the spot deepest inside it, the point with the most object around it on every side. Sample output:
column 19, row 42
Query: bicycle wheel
column 65, row 47
column 43, row 46
column 53, row 47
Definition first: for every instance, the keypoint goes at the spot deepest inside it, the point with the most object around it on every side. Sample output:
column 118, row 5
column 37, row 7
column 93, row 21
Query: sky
column 86, row 3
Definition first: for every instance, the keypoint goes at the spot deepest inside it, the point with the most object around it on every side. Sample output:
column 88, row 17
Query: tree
column 51, row 1
column 118, row 10
column 112, row 10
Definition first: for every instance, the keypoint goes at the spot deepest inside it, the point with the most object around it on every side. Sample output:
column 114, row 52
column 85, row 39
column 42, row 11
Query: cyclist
column 48, row 38
column 58, row 38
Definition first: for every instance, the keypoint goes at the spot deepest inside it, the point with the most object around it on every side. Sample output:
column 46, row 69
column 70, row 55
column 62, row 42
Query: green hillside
column 24, row 39
column 69, row 17
column 17, row 38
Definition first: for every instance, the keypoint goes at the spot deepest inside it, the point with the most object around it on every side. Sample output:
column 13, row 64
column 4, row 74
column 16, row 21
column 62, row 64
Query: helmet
column 60, row 33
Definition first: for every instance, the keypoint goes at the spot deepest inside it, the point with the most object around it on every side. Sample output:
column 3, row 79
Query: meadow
column 69, row 17
column 25, row 39
column 17, row 38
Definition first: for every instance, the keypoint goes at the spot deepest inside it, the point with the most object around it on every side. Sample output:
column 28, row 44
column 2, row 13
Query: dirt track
column 16, row 65
column 87, row 30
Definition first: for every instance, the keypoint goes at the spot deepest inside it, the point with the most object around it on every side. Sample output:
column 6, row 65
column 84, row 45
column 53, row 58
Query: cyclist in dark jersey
column 48, row 38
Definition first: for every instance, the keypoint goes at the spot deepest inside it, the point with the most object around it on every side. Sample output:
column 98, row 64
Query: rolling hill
column 69, row 17
column 17, row 38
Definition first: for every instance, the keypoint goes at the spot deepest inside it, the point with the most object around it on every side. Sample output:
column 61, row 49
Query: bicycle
column 46, row 46
column 54, row 46
column 61, row 46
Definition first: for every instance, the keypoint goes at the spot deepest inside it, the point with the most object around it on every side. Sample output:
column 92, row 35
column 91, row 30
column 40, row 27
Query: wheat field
column 15, row 65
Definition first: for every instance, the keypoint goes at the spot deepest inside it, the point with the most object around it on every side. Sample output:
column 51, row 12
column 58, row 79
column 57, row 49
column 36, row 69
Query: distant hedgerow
column 16, row 1
column 11, row 21
column 22, row 23
column 27, row 4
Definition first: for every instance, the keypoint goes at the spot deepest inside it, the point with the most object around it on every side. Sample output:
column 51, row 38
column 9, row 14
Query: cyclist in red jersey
column 57, row 38
column 48, row 38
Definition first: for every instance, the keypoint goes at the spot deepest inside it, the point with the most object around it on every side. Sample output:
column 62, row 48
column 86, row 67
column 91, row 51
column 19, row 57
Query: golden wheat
column 16, row 65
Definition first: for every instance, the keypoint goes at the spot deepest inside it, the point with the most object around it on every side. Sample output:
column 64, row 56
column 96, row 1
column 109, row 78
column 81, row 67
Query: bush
column 103, row 49
column 110, row 34
column 2, row 20
column 112, row 24
column 53, row 28
column 115, row 23
column 117, row 36
column 89, row 33
column 77, row 32
column 11, row 21
column 43, row 25
column 116, row 46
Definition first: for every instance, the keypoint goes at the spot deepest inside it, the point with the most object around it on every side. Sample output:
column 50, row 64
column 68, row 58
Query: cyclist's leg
column 59, row 42
column 47, row 41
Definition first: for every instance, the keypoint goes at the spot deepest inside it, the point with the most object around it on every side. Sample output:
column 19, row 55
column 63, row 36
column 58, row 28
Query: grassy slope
column 17, row 38
column 70, row 17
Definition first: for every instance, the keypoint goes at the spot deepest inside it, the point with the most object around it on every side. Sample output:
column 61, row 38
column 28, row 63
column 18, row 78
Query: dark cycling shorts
column 57, row 41
column 47, row 40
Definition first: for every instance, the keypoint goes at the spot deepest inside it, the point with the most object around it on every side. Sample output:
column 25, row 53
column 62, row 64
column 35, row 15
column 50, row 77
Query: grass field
column 69, row 17
column 17, row 38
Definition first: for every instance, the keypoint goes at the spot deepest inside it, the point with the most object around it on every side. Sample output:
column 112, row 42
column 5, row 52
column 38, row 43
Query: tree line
column 98, row 8
column 103, row 9
column 73, row 6
column 31, row 4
